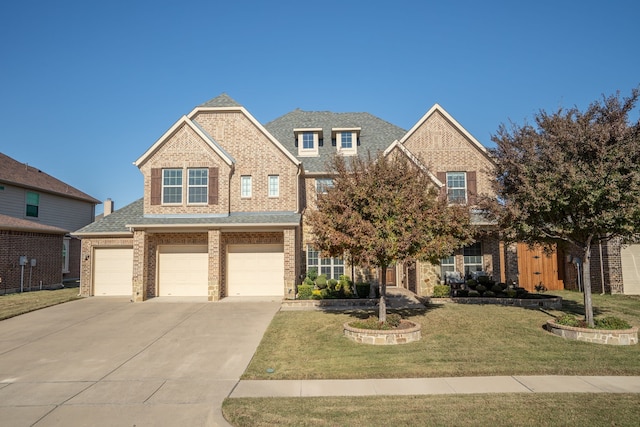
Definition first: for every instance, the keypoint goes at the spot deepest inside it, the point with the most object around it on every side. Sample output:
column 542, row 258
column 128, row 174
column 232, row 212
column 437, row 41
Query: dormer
column 346, row 140
column 308, row 140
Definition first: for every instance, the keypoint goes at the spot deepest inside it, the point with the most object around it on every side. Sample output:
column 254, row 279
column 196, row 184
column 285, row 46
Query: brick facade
column 86, row 261
column 46, row 249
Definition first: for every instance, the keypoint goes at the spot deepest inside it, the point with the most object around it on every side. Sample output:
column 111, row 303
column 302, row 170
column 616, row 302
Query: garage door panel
column 631, row 269
column 113, row 271
column 183, row 270
column 255, row 270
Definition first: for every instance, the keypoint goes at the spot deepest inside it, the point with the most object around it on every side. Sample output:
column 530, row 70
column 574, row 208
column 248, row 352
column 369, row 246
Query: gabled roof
column 375, row 133
column 415, row 160
column 454, row 122
column 22, row 175
column 18, row 224
column 184, row 120
column 222, row 100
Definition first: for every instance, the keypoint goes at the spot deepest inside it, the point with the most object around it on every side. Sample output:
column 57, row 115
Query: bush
column 441, row 291
column 462, row 293
column 510, row 293
column 473, row 293
column 496, row 288
column 489, row 294
column 312, row 274
column 481, row 288
column 611, row 322
column 393, row 321
column 321, row 281
column 362, row 289
column 570, row 320
column 304, row 291
column 503, row 285
column 331, row 284
column 308, row 281
column 471, row 283
column 345, row 285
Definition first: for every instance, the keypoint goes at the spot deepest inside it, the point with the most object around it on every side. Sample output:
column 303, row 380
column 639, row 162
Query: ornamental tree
column 386, row 209
column 572, row 178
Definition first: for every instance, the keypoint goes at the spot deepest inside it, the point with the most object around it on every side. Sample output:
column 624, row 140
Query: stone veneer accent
column 598, row 336
column 554, row 303
column 390, row 337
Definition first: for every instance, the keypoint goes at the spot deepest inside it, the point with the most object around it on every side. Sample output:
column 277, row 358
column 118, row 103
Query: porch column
column 140, row 266
column 215, row 288
column 290, row 270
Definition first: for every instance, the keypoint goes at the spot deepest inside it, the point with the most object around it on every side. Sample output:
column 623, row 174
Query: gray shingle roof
column 222, row 100
column 375, row 134
column 132, row 214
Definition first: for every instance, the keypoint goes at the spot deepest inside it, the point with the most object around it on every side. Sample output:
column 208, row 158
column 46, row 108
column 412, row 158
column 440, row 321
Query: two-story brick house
column 225, row 197
column 37, row 213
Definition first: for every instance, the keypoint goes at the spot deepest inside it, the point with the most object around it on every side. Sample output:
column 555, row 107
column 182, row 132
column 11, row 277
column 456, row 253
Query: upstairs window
column 171, row 186
column 198, row 185
column 33, row 204
column 346, row 140
column 274, row 185
column 457, row 187
column 323, row 184
column 308, row 141
column 245, row 186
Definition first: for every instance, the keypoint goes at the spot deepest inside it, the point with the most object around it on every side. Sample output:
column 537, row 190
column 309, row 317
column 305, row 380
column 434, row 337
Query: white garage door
column 183, row 270
column 112, row 271
column 631, row 269
column 255, row 270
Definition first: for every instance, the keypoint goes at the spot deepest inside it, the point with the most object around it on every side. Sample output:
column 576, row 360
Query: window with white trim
column 346, row 140
column 274, row 185
column 65, row 254
column 448, row 265
column 472, row 255
column 245, row 186
column 457, row 187
column 198, row 188
column 333, row 268
column 33, row 204
column 308, row 140
column 171, row 186
column 323, row 184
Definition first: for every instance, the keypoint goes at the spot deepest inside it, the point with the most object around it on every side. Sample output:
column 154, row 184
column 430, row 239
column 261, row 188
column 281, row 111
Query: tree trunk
column 586, row 285
column 382, row 306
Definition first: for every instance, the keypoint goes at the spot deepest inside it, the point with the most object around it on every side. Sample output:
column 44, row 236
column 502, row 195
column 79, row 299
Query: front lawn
column 19, row 303
column 457, row 340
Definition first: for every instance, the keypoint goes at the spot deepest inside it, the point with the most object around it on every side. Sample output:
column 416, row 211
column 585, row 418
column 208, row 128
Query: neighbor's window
column 472, row 258
column 198, row 185
column 33, row 204
column 274, row 185
column 323, row 184
column 333, row 268
column 245, row 186
column 457, row 187
column 172, row 186
column 65, row 254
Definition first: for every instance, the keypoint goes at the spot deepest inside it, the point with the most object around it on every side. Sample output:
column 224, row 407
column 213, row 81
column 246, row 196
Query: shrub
column 503, row 285
column 393, row 321
column 316, row 294
column 471, row 283
column 362, row 289
column 321, row 281
column 510, row 293
column 304, row 291
column 345, row 285
column 481, row 288
column 312, row 274
column 308, row 281
column 611, row 322
column 570, row 320
column 473, row 293
column 489, row 294
column 496, row 288
column 462, row 293
column 331, row 283
column 540, row 287
column 441, row 291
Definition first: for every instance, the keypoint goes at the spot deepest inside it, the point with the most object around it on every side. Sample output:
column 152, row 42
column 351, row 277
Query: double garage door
column 183, row 270
column 631, row 269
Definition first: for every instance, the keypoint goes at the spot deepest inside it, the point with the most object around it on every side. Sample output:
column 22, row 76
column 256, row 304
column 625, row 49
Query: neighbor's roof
column 18, row 224
column 375, row 133
column 22, row 175
column 132, row 216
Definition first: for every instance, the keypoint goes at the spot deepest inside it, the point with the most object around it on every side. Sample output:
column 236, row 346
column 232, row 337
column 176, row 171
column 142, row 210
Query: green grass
column 540, row 410
column 19, row 303
column 457, row 340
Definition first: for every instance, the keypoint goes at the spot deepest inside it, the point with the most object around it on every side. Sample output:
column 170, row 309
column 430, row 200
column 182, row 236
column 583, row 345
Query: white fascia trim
column 103, row 234
column 204, row 227
column 414, row 159
column 252, row 120
column 437, row 107
column 184, row 120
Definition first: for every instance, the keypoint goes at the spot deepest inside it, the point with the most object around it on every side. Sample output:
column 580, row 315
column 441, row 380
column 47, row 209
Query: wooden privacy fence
column 535, row 267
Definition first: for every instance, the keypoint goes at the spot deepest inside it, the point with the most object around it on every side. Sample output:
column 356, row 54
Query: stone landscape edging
column 598, row 336
column 384, row 337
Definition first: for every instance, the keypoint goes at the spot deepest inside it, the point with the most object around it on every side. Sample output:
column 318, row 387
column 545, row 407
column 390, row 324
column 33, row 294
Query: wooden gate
column 535, row 267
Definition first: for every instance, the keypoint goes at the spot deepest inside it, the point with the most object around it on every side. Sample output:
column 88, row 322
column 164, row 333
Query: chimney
column 108, row 207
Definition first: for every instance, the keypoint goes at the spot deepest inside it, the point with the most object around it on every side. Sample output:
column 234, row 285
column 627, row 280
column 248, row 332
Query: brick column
column 85, row 268
column 140, row 257
column 215, row 290
column 290, row 263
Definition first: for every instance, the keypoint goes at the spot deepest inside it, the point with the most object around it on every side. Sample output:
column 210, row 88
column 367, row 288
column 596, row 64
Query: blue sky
column 86, row 87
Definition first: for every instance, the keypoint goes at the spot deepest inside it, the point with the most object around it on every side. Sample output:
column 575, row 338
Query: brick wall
column 46, row 249
column 610, row 270
column 86, row 262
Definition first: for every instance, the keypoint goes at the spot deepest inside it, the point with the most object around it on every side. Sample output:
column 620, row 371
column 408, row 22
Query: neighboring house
column 37, row 213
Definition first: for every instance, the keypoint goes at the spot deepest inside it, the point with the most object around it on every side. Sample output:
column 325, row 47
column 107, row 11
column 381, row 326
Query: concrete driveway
column 109, row 362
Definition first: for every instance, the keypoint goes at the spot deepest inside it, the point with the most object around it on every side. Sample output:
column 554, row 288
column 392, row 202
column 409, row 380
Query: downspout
column 601, row 266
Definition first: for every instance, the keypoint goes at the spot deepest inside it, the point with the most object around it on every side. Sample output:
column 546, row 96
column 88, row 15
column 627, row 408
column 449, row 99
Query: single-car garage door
column 631, row 269
column 183, row 270
column 255, row 270
column 112, row 271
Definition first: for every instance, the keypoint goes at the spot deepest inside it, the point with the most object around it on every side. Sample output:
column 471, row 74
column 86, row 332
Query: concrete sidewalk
column 452, row 385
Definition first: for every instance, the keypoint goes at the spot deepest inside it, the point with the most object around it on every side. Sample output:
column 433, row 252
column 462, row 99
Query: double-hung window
column 333, row 268
column 171, row 186
column 457, row 187
column 472, row 258
column 245, row 186
column 323, row 184
column 274, row 185
column 33, row 204
column 198, row 185
column 346, row 140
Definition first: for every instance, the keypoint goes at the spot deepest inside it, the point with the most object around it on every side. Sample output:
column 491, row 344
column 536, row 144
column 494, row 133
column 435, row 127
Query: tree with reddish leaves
column 383, row 210
column 573, row 178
